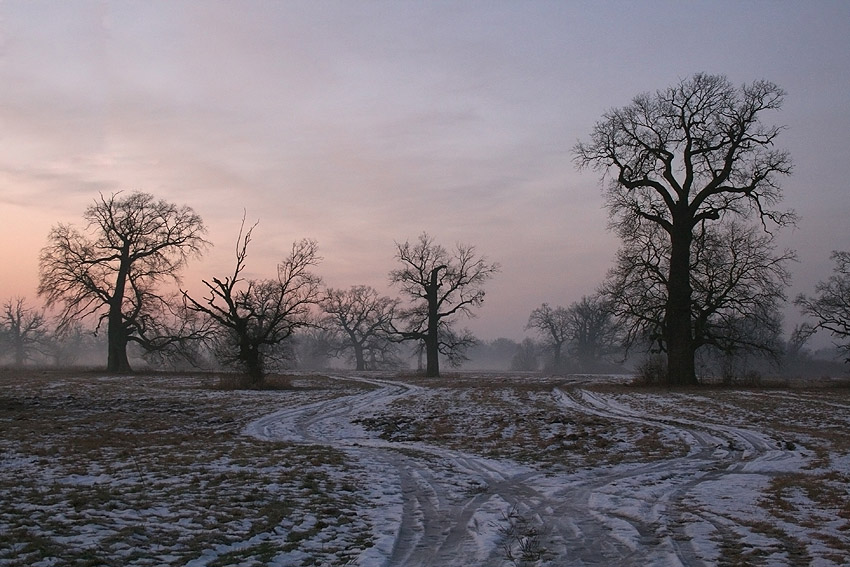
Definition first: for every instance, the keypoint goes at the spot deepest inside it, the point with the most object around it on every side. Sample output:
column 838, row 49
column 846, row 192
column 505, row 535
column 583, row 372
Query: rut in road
column 441, row 507
column 680, row 500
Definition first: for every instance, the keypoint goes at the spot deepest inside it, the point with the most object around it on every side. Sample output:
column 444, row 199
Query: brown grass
column 101, row 470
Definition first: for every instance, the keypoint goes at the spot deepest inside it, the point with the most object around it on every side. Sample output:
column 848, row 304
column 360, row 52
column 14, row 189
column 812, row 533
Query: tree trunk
column 116, row 334
column 358, row 356
column 432, row 357
column 432, row 338
column 254, row 365
column 20, row 353
column 556, row 362
column 678, row 333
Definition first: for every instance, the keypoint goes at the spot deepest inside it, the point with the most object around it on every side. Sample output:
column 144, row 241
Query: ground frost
column 472, row 470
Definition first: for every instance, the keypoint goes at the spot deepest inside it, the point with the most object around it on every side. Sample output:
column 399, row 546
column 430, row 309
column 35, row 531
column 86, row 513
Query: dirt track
column 447, row 507
column 475, row 469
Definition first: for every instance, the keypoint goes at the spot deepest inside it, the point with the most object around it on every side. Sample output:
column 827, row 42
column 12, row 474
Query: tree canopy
column 113, row 268
column 442, row 285
column 694, row 153
column 830, row 306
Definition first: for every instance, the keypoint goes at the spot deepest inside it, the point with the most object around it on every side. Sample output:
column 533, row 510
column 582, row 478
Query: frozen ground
column 473, row 470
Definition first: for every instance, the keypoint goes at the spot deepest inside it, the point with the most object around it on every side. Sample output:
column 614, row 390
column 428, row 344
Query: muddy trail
column 439, row 507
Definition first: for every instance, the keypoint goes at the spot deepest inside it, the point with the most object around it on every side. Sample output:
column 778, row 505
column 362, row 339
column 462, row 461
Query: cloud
column 360, row 124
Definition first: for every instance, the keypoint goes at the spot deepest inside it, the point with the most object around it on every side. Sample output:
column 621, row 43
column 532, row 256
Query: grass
column 154, row 470
column 99, row 470
column 516, row 417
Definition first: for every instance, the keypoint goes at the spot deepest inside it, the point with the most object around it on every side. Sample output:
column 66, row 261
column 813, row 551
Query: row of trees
column 692, row 175
column 115, row 271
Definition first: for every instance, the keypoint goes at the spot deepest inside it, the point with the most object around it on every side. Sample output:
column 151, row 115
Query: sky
column 364, row 123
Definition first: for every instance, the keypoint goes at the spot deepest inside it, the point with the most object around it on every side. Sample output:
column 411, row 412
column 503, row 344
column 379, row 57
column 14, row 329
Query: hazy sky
column 361, row 123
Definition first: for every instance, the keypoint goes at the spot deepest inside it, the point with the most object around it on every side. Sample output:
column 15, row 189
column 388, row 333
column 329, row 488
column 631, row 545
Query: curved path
column 434, row 506
column 685, row 506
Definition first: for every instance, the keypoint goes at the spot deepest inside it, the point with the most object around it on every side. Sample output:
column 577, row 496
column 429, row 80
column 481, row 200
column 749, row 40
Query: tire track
column 448, row 508
column 719, row 455
column 450, row 501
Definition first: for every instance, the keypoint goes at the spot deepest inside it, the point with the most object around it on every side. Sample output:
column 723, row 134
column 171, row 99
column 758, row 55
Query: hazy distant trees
column 312, row 347
column 114, row 267
column 73, row 344
column 737, row 280
column 23, row 330
column 586, row 330
column 251, row 317
column 552, row 325
column 830, row 306
column 496, row 354
column 526, row 357
column 692, row 154
column 592, row 331
column 363, row 320
column 442, row 286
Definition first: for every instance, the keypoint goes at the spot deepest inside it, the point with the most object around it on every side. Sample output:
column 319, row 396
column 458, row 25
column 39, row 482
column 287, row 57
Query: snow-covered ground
column 378, row 470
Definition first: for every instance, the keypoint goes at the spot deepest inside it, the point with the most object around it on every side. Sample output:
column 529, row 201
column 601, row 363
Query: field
column 371, row 469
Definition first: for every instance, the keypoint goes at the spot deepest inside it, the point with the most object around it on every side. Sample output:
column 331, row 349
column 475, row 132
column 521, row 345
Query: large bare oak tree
column 114, row 267
column 442, row 286
column 693, row 153
column 737, row 280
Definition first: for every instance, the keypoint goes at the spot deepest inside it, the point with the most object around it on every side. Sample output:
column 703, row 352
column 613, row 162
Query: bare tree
column 311, row 348
column 691, row 154
column 363, row 318
column 442, row 285
column 737, row 279
column 525, row 357
column 553, row 326
column 830, row 307
column 131, row 245
column 24, row 330
column 251, row 317
column 592, row 331
column 69, row 345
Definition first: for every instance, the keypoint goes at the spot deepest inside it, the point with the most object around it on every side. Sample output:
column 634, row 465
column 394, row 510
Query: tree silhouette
column 113, row 269
column 23, row 330
column 592, row 331
column 363, row 318
column 251, row 317
column 694, row 153
column 830, row 307
column 552, row 324
column 442, row 285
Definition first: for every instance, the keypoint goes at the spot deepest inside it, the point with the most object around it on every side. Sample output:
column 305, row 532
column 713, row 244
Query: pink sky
column 361, row 123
